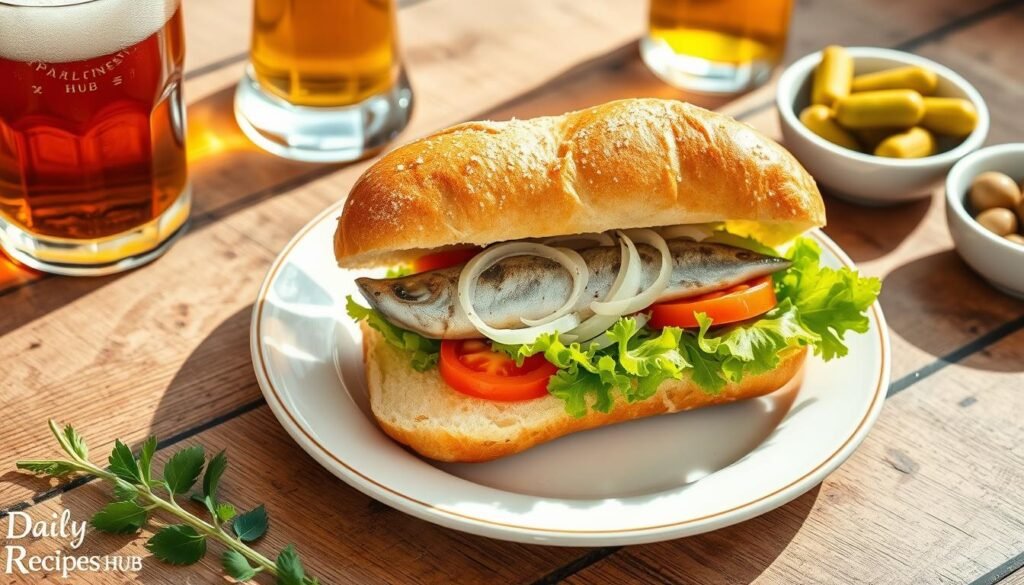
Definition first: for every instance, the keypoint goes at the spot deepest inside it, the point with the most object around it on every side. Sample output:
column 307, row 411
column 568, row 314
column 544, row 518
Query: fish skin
column 533, row 287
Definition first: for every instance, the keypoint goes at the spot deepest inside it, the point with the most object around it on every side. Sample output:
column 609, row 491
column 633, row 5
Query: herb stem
column 211, row 531
column 172, row 507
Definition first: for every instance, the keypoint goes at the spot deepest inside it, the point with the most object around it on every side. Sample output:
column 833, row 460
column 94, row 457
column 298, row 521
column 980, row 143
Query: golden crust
column 419, row 410
column 624, row 164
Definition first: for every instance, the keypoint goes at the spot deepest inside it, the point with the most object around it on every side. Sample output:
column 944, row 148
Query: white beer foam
column 60, row 31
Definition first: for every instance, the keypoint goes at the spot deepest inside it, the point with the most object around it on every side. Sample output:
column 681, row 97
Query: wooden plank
column 342, row 535
column 930, row 497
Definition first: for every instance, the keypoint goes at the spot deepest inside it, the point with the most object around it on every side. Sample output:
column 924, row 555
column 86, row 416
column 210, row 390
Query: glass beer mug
column 324, row 81
column 716, row 46
column 93, row 174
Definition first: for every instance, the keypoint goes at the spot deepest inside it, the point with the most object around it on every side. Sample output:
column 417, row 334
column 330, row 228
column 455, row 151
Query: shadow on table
column 940, row 287
column 866, row 233
column 35, row 299
column 216, row 377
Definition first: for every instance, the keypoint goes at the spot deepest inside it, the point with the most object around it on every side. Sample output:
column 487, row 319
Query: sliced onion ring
column 580, row 241
column 560, row 320
column 627, row 283
column 577, row 282
column 646, row 298
column 695, row 232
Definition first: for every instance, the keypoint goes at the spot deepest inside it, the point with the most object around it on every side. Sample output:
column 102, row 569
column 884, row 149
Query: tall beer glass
column 93, row 175
column 716, row 46
column 325, row 81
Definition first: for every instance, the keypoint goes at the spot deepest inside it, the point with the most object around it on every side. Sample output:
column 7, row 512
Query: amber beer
column 718, row 46
column 325, row 80
column 324, row 52
column 92, row 154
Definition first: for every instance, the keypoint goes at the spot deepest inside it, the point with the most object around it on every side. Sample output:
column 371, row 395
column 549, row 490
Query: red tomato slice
column 471, row 367
column 738, row 303
column 443, row 259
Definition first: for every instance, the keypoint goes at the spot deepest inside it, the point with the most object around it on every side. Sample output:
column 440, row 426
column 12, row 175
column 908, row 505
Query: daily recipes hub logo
column 65, row 535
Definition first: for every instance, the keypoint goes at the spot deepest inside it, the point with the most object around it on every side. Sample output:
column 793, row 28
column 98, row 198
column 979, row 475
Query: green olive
column 998, row 220
column 992, row 189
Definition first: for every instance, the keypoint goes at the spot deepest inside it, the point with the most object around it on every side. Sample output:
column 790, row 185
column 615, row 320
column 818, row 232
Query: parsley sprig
column 137, row 495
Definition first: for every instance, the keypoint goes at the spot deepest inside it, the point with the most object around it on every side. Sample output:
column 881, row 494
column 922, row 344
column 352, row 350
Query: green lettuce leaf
column 423, row 352
column 730, row 353
column 745, row 242
column 398, row 271
column 828, row 302
column 638, row 361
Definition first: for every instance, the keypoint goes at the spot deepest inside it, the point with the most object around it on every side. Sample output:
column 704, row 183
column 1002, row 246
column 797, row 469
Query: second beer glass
column 325, row 81
column 716, row 46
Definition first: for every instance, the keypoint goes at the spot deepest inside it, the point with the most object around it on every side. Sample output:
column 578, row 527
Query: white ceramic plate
column 642, row 481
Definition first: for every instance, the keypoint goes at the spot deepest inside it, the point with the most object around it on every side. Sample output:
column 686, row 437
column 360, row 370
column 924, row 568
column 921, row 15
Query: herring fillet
column 533, row 287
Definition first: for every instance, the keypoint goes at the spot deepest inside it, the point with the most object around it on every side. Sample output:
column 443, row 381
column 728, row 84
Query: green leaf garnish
column 237, row 566
column 178, row 544
column 124, row 492
column 120, row 518
column 45, row 467
column 183, row 468
column 211, row 479
column 75, row 442
column 251, row 525
column 289, row 567
column 123, row 464
column 146, row 459
column 225, row 511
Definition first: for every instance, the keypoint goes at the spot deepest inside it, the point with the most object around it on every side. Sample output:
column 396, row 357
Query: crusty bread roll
column 624, row 164
column 420, row 410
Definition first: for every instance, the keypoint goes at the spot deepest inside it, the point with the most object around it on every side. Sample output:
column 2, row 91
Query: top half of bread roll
column 624, row 164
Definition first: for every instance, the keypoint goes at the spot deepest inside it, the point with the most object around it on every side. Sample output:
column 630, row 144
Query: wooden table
column 935, row 494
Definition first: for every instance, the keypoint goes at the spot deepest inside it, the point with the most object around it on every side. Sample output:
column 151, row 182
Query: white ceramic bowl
column 865, row 178
column 1000, row 261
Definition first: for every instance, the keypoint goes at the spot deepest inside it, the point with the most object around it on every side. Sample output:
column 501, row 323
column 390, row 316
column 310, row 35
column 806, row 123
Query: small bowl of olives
column 985, row 214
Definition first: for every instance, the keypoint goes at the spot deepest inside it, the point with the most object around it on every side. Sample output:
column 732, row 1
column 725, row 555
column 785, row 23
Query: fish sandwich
column 553, row 275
